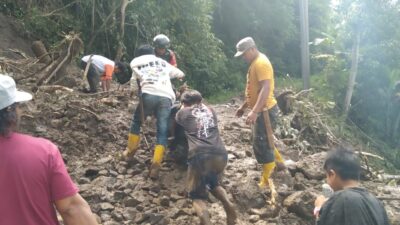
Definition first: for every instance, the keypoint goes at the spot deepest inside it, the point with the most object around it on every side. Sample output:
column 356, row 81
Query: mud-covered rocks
column 301, row 203
column 312, row 166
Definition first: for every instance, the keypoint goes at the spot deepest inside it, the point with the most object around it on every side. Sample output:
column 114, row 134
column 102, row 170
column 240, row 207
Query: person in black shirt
column 207, row 156
column 350, row 204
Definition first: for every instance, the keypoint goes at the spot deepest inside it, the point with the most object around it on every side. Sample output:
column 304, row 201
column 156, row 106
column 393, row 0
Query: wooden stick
column 61, row 64
column 371, row 155
column 274, row 193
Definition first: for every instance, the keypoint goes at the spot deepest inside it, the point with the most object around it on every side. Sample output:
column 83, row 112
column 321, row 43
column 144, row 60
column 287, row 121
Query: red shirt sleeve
column 61, row 184
column 172, row 61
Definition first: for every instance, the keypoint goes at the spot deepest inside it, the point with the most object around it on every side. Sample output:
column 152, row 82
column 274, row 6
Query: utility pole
column 353, row 72
column 305, row 50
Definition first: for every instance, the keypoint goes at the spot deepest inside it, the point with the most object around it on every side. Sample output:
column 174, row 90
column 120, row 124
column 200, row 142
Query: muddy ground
column 91, row 130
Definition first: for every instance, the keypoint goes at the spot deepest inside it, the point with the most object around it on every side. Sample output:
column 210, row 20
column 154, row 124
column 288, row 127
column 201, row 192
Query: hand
column 320, row 200
column 251, row 118
column 239, row 113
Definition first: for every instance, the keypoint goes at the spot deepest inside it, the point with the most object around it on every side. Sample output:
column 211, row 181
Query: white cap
column 243, row 45
column 9, row 94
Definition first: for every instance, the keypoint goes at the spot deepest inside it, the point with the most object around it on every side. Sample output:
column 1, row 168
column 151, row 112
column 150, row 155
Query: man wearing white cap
column 33, row 176
column 260, row 98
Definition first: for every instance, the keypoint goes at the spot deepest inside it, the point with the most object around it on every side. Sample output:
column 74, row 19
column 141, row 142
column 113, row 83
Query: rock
column 122, row 170
column 117, row 216
column 181, row 203
column 254, row 218
column 249, row 153
column 164, row 201
column 266, row 212
column 103, row 161
column 248, row 195
column 84, row 180
column 91, row 172
column 155, row 218
column 106, row 206
column 301, row 203
column 103, row 172
column 132, row 202
column 141, row 217
column 175, row 197
column 129, row 213
column 105, row 217
column 311, row 166
column 175, row 213
column 114, row 173
column 119, row 195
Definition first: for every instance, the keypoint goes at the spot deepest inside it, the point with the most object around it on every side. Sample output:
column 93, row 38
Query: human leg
column 162, row 113
column 220, row 193
column 93, row 78
column 197, row 190
column 262, row 150
column 133, row 136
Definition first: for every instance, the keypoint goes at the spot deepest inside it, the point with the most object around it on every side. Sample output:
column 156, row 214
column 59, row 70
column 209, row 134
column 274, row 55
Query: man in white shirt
column 100, row 68
column 157, row 96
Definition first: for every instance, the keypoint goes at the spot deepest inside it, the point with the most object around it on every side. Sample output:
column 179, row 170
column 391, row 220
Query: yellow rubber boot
column 280, row 163
column 157, row 159
column 133, row 144
column 278, row 156
column 268, row 168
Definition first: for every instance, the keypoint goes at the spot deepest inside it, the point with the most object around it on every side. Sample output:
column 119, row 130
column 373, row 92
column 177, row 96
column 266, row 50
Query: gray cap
column 9, row 94
column 244, row 45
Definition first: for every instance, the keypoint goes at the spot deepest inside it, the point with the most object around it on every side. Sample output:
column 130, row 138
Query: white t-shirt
column 99, row 62
column 154, row 74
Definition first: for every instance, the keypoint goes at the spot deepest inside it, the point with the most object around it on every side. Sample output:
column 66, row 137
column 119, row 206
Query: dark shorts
column 262, row 151
column 93, row 76
column 204, row 173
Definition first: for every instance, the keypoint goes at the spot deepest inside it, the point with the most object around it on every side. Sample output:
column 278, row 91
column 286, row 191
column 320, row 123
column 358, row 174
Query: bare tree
column 353, row 72
column 121, row 35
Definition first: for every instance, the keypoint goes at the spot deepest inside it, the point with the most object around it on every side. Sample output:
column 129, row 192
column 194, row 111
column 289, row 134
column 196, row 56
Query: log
column 40, row 52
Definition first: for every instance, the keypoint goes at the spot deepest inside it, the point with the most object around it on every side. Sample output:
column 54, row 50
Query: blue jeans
column 158, row 106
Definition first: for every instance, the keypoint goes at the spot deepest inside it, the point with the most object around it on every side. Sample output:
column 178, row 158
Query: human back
column 32, row 168
column 201, row 128
column 357, row 207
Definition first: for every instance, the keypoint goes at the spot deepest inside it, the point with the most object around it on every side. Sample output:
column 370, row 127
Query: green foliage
column 49, row 28
column 11, row 9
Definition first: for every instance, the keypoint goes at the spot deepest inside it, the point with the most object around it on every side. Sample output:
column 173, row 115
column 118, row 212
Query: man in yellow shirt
column 260, row 98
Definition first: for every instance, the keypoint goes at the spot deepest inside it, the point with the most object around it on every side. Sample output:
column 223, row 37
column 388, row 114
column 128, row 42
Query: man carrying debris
column 33, row 176
column 161, row 44
column 260, row 99
column 207, row 155
column 350, row 204
column 154, row 76
column 100, row 68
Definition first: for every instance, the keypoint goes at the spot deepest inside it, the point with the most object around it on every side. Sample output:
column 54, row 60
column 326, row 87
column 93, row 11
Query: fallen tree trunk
column 40, row 52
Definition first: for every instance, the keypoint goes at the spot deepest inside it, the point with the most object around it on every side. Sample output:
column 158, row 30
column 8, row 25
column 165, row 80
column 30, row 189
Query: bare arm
column 240, row 111
column 258, row 107
column 262, row 96
column 176, row 73
column 75, row 211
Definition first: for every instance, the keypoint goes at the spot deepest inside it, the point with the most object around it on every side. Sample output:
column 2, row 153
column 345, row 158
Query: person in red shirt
column 34, row 180
column 161, row 44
